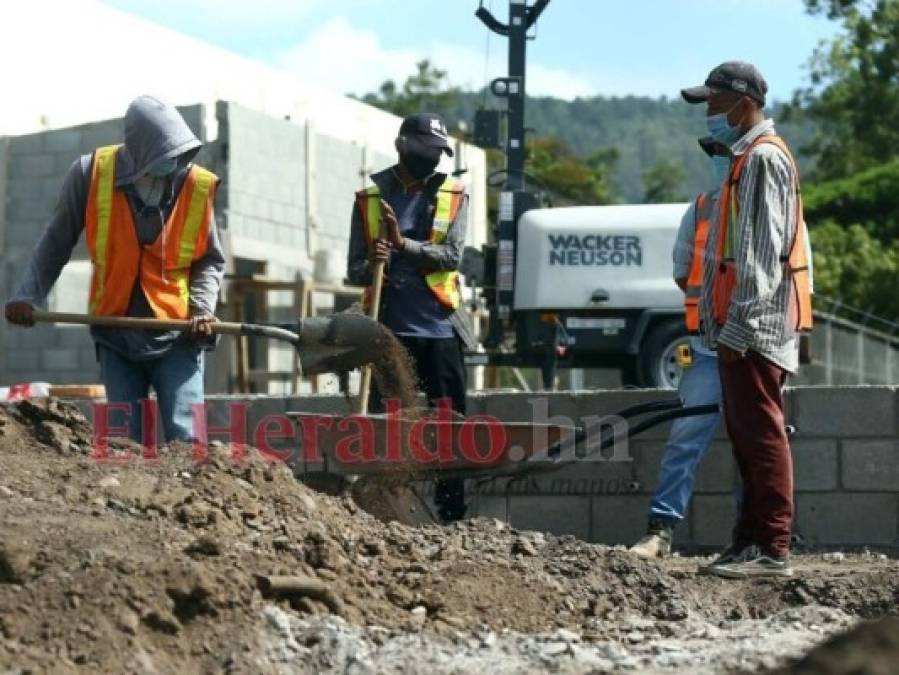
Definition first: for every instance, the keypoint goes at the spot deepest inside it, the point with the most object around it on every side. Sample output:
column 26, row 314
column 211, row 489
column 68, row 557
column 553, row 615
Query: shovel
column 328, row 344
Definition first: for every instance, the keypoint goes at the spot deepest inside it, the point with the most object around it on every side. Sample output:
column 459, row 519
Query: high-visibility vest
column 702, row 213
column 443, row 284
column 162, row 267
column 796, row 262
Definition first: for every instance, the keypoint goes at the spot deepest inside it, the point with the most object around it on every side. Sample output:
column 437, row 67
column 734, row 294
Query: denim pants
column 176, row 377
column 688, row 441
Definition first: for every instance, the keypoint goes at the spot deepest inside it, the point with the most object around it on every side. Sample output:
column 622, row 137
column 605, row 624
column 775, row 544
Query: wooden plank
column 78, row 390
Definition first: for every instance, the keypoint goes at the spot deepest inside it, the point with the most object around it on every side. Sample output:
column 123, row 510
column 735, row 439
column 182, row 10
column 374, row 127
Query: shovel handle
column 365, row 383
column 130, row 322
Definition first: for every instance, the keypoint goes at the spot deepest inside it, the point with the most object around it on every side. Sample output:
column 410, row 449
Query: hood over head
column 154, row 130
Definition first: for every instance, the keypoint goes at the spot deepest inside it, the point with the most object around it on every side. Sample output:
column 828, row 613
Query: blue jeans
column 176, row 377
column 688, row 441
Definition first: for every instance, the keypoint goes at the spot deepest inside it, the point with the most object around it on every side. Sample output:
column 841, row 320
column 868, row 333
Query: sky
column 582, row 47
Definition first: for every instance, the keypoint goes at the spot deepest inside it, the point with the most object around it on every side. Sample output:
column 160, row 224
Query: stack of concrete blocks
column 845, row 454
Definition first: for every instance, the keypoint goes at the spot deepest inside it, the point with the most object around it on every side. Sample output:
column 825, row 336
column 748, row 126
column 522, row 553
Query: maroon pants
column 752, row 389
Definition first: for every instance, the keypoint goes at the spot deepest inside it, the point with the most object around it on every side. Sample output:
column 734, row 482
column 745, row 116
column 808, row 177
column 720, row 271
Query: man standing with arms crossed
column 755, row 300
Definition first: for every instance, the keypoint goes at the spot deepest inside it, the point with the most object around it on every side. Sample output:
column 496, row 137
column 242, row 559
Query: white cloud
column 345, row 58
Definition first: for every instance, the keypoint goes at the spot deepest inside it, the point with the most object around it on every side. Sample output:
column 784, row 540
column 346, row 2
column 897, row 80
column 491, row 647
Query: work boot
column 657, row 542
column 752, row 562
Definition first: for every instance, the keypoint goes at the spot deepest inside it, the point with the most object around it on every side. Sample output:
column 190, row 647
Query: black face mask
column 420, row 167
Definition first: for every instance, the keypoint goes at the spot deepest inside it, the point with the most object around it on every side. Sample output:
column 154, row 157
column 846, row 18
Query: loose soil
column 136, row 565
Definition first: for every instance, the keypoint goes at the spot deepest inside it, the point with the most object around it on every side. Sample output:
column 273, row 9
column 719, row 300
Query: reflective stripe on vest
column 702, row 219
column 799, row 312
column 162, row 267
column 443, row 284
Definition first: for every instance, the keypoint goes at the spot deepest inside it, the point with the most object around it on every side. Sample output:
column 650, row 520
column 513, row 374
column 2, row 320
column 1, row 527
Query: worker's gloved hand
column 201, row 326
column 20, row 313
column 392, row 226
column 381, row 251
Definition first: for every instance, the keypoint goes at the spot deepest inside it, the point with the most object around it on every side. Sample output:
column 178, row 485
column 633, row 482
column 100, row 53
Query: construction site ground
column 170, row 565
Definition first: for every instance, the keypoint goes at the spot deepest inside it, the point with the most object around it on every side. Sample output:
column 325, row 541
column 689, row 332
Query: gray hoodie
column 153, row 131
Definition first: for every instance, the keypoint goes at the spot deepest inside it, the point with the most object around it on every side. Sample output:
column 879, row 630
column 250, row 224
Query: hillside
column 645, row 131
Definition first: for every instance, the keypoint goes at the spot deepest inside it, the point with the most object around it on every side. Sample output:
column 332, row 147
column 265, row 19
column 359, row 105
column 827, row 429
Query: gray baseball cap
column 737, row 76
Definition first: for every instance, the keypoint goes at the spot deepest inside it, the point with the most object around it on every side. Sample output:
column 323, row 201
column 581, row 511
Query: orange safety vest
column 444, row 285
column 702, row 219
column 799, row 312
column 162, row 267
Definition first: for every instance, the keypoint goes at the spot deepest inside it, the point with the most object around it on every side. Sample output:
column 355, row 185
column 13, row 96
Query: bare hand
column 20, row 313
column 728, row 355
column 201, row 326
column 381, row 251
column 393, row 226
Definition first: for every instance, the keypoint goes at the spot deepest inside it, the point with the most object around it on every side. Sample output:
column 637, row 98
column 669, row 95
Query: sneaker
column 751, row 562
column 656, row 543
column 728, row 554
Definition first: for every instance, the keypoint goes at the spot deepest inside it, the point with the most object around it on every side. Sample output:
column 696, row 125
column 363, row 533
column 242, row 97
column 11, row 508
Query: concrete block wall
column 845, row 455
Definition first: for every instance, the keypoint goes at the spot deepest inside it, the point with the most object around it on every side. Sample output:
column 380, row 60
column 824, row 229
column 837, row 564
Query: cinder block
column 26, row 145
column 871, row 465
column 510, row 406
column 588, row 478
column 848, row 519
column 59, row 359
column 557, row 515
column 73, row 336
column 489, row 506
column 619, row 520
column 32, row 166
column 647, row 461
column 87, row 363
column 22, row 360
column 846, row 411
column 713, row 520
column 814, row 464
column 717, row 472
column 63, row 140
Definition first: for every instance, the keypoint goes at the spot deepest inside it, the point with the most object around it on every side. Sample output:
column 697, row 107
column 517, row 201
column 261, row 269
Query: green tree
column 662, row 183
column 568, row 179
column 426, row 90
column 851, row 265
column 853, row 94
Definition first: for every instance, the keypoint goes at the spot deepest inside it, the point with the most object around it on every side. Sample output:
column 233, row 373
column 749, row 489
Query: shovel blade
column 339, row 342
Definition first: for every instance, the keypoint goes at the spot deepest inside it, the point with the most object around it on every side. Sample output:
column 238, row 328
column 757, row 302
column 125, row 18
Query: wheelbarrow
column 385, row 456
column 328, row 344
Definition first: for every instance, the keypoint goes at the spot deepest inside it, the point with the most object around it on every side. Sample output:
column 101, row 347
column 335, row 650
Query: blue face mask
column 720, row 169
column 722, row 130
column 164, row 167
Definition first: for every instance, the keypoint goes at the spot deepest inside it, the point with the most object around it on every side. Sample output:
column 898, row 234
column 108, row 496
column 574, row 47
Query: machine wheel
column 657, row 365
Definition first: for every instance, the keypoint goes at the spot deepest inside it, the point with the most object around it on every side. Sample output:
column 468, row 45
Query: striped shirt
column 762, row 236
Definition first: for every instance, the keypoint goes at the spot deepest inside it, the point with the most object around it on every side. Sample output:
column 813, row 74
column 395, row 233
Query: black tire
column 655, row 365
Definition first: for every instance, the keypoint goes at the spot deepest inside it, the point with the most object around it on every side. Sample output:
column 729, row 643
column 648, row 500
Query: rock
column 129, row 622
column 14, row 564
column 108, row 482
column 204, row 545
column 6, row 492
column 835, row 557
column 524, row 547
column 567, row 635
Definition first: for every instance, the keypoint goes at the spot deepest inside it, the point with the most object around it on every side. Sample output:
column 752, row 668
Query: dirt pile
column 173, row 564
column 868, row 649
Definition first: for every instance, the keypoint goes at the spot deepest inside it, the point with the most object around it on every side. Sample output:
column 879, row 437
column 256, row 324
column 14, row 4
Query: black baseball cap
column 737, row 76
column 425, row 134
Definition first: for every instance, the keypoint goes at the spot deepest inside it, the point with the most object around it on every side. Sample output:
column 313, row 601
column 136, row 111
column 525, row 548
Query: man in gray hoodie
column 150, row 229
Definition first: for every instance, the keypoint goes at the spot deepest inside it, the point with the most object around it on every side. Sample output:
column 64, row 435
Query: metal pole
column 515, row 151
